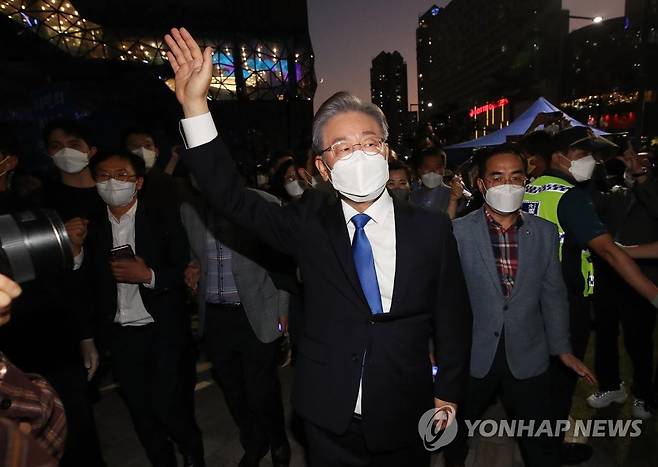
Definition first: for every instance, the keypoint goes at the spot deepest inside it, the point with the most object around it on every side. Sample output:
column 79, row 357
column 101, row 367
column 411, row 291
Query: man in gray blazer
column 519, row 302
column 242, row 314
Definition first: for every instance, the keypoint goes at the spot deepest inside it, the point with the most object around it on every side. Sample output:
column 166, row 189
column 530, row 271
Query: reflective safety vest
column 541, row 199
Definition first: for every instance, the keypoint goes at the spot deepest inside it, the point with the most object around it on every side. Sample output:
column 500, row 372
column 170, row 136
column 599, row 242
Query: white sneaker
column 601, row 399
column 640, row 409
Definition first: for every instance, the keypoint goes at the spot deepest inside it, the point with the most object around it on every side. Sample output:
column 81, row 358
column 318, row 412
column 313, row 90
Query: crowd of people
column 351, row 253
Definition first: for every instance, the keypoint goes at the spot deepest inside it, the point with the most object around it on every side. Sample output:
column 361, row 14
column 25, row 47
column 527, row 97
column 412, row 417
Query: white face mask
column 71, row 160
column 583, row 168
column 294, row 189
column 147, row 154
column 505, row 198
column 116, row 193
column 360, row 177
column 431, row 179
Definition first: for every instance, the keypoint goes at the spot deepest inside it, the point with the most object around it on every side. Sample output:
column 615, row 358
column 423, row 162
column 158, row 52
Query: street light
column 593, row 19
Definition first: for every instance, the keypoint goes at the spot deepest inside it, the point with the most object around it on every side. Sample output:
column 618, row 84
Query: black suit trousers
column 247, row 371
column 523, row 399
column 152, row 369
column 327, row 449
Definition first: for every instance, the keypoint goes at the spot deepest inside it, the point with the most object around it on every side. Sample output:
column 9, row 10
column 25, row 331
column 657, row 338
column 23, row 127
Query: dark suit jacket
column 160, row 240
column 339, row 331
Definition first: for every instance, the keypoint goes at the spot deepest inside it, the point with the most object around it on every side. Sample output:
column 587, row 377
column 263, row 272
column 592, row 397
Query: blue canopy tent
column 517, row 127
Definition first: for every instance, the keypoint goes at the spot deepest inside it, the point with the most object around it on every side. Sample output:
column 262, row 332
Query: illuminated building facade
column 388, row 90
column 475, row 52
column 610, row 69
column 263, row 78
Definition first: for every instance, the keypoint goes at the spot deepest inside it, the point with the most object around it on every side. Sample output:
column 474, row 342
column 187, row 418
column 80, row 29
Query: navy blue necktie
column 365, row 264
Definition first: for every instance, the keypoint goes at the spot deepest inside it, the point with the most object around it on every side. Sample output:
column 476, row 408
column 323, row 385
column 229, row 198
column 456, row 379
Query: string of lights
column 267, row 71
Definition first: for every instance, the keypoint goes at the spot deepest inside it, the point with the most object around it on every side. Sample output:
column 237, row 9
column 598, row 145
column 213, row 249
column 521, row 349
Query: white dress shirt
column 130, row 307
column 380, row 230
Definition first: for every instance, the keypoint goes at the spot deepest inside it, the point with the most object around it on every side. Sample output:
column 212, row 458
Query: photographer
column 52, row 334
column 32, row 421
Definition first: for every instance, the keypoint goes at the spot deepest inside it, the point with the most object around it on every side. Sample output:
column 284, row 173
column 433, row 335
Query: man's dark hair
column 137, row 130
column 507, row 148
column 538, row 143
column 432, row 152
column 399, row 165
column 71, row 127
column 135, row 161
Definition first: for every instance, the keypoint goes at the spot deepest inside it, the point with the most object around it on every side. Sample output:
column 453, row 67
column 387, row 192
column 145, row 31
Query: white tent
column 519, row 126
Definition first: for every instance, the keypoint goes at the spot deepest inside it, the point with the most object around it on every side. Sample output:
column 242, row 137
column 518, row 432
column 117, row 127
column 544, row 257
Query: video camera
column 34, row 244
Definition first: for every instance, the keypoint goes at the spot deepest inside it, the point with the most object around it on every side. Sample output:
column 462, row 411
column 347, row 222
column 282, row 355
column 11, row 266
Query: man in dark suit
column 380, row 278
column 140, row 299
column 242, row 315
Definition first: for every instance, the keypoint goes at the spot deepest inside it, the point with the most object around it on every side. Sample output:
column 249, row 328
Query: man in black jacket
column 631, row 216
column 140, row 298
column 380, row 278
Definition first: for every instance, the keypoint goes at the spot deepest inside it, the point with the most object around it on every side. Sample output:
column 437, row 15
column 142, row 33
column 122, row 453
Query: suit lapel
column 483, row 242
column 333, row 219
column 141, row 226
column 404, row 251
column 526, row 248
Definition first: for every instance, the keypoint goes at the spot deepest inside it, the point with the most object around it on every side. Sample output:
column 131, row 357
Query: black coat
column 161, row 242
column 429, row 300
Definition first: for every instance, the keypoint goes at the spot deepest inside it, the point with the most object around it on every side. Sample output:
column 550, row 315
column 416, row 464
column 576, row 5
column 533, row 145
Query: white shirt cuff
column 198, row 130
column 77, row 260
column 151, row 285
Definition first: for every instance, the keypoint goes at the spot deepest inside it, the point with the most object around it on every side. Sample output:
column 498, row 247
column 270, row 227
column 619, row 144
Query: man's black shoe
column 193, row 461
column 281, row 455
column 575, row 453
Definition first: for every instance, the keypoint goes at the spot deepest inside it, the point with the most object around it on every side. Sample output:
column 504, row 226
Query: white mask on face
column 147, row 154
column 294, row 188
column 583, row 168
column 505, row 198
column 116, row 193
column 431, row 179
column 71, row 160
column 360, row 177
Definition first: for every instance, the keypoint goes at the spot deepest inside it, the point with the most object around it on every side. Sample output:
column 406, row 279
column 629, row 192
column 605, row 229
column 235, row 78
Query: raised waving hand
column 193, row 70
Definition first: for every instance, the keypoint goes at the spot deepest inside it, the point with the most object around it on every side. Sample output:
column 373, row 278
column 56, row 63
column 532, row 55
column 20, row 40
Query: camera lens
column 33, row 244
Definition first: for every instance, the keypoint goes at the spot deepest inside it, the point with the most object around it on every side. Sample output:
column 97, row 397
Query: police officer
column 559, row 197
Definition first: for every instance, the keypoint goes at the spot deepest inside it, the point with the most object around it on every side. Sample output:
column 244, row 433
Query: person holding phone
column 137, row 257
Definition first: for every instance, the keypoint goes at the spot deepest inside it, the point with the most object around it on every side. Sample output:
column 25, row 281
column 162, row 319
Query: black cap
column 581, row 137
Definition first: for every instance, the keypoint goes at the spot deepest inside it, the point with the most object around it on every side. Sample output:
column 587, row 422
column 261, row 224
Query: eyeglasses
column 371, row 146
column 121, row 177
column 516, row 179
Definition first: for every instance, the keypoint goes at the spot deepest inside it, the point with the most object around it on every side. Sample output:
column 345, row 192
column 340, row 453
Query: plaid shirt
column 505, row 245
column 29, row 398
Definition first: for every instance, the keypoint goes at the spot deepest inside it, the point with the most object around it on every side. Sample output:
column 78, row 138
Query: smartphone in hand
column 122, row 253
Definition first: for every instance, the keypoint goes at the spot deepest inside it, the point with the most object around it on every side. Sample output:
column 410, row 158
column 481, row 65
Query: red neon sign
column 475, row 111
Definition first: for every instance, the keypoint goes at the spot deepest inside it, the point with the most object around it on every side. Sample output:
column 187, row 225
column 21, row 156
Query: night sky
column 348, row 34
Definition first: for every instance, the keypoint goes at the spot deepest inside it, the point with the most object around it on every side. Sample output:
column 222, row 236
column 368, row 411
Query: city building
column 609, row 68
column 388, row 90
column 84, row 58
column 475, row 55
